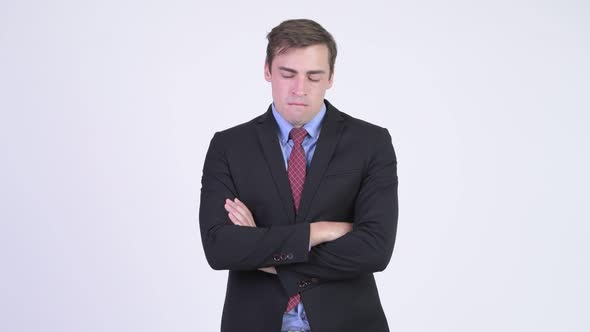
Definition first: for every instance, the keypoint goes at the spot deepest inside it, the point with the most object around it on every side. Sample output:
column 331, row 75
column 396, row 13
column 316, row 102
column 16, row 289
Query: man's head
column 300, row 59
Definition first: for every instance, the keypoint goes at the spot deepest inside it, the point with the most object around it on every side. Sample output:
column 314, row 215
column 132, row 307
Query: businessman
column 300, row 203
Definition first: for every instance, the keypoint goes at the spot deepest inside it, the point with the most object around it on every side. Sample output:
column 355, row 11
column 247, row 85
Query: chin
column 296, row 116
column 296, row 122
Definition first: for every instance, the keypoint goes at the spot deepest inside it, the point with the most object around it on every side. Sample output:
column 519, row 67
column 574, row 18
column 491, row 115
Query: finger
column 231, row 208
column 241, row 221
column 238, row 205
column 234, row 220
column 236, row 216
column 270, row 269
column 243, row 206
column 227, row 205
column 244, row 214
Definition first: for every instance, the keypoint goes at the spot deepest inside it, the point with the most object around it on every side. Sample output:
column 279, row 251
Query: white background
column 108, row 107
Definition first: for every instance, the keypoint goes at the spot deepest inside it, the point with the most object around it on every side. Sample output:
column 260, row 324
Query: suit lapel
column 267, row 135
column 329, row 135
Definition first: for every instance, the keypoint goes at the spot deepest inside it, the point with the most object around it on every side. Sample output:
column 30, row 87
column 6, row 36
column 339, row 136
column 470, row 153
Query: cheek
column 319, row 91
column 281, row 88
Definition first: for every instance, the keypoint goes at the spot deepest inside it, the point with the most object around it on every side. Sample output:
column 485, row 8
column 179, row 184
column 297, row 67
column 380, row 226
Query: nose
column 300, row 87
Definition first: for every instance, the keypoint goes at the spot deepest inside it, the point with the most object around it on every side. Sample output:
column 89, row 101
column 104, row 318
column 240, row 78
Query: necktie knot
column 297, row 135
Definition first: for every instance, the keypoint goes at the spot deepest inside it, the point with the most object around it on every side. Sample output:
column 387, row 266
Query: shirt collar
column 312, row 127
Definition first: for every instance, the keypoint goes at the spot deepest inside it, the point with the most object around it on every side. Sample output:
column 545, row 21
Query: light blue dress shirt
column 313, row 128
column 296, row 319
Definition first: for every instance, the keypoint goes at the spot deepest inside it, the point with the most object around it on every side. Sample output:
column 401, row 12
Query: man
column 300, row 203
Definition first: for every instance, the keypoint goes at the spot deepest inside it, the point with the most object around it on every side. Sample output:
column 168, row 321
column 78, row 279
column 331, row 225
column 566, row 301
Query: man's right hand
column 325, row 231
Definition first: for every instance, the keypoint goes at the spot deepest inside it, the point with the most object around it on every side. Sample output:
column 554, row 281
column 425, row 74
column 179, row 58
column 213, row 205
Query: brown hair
column 298, row 34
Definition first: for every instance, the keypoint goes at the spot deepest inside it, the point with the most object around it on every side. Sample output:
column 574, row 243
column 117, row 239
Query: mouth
column 297, row 104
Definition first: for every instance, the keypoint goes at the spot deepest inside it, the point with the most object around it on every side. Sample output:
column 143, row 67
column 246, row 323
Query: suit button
column 283, row 257
column 289, row 256
column 302, row 284
column 276, row 258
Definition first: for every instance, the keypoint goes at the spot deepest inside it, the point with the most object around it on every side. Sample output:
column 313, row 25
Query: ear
column 331, row 80
column 267, row 75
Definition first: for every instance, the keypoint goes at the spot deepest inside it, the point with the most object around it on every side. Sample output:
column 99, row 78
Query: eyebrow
column 309, row 72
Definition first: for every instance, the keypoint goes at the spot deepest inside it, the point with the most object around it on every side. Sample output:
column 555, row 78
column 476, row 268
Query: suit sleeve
column 231, row 247
column 368, row 248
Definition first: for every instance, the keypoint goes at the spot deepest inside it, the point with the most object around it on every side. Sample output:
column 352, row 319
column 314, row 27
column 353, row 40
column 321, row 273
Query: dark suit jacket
column 352, row 177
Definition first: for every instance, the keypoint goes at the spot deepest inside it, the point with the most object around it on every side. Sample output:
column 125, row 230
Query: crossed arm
column 337, row 251
column 319, row 232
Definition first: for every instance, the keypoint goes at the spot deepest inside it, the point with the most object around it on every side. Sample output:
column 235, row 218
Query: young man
column 300, row 203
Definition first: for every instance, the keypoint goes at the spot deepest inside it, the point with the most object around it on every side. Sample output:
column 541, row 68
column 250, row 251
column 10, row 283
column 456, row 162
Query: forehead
column 310, row 57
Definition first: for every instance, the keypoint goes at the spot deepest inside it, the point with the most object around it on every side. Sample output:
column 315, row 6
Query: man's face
column 299, row 79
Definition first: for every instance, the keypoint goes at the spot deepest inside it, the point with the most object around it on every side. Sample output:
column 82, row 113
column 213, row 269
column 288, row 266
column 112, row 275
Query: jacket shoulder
column 361, row 127
column 238, row 134
column 353, row 122
column 361, row 124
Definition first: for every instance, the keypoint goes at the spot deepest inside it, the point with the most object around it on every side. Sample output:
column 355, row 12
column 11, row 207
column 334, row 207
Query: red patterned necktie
column 296, row 172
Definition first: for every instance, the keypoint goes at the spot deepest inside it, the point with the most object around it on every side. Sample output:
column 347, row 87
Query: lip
column 297, row 104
